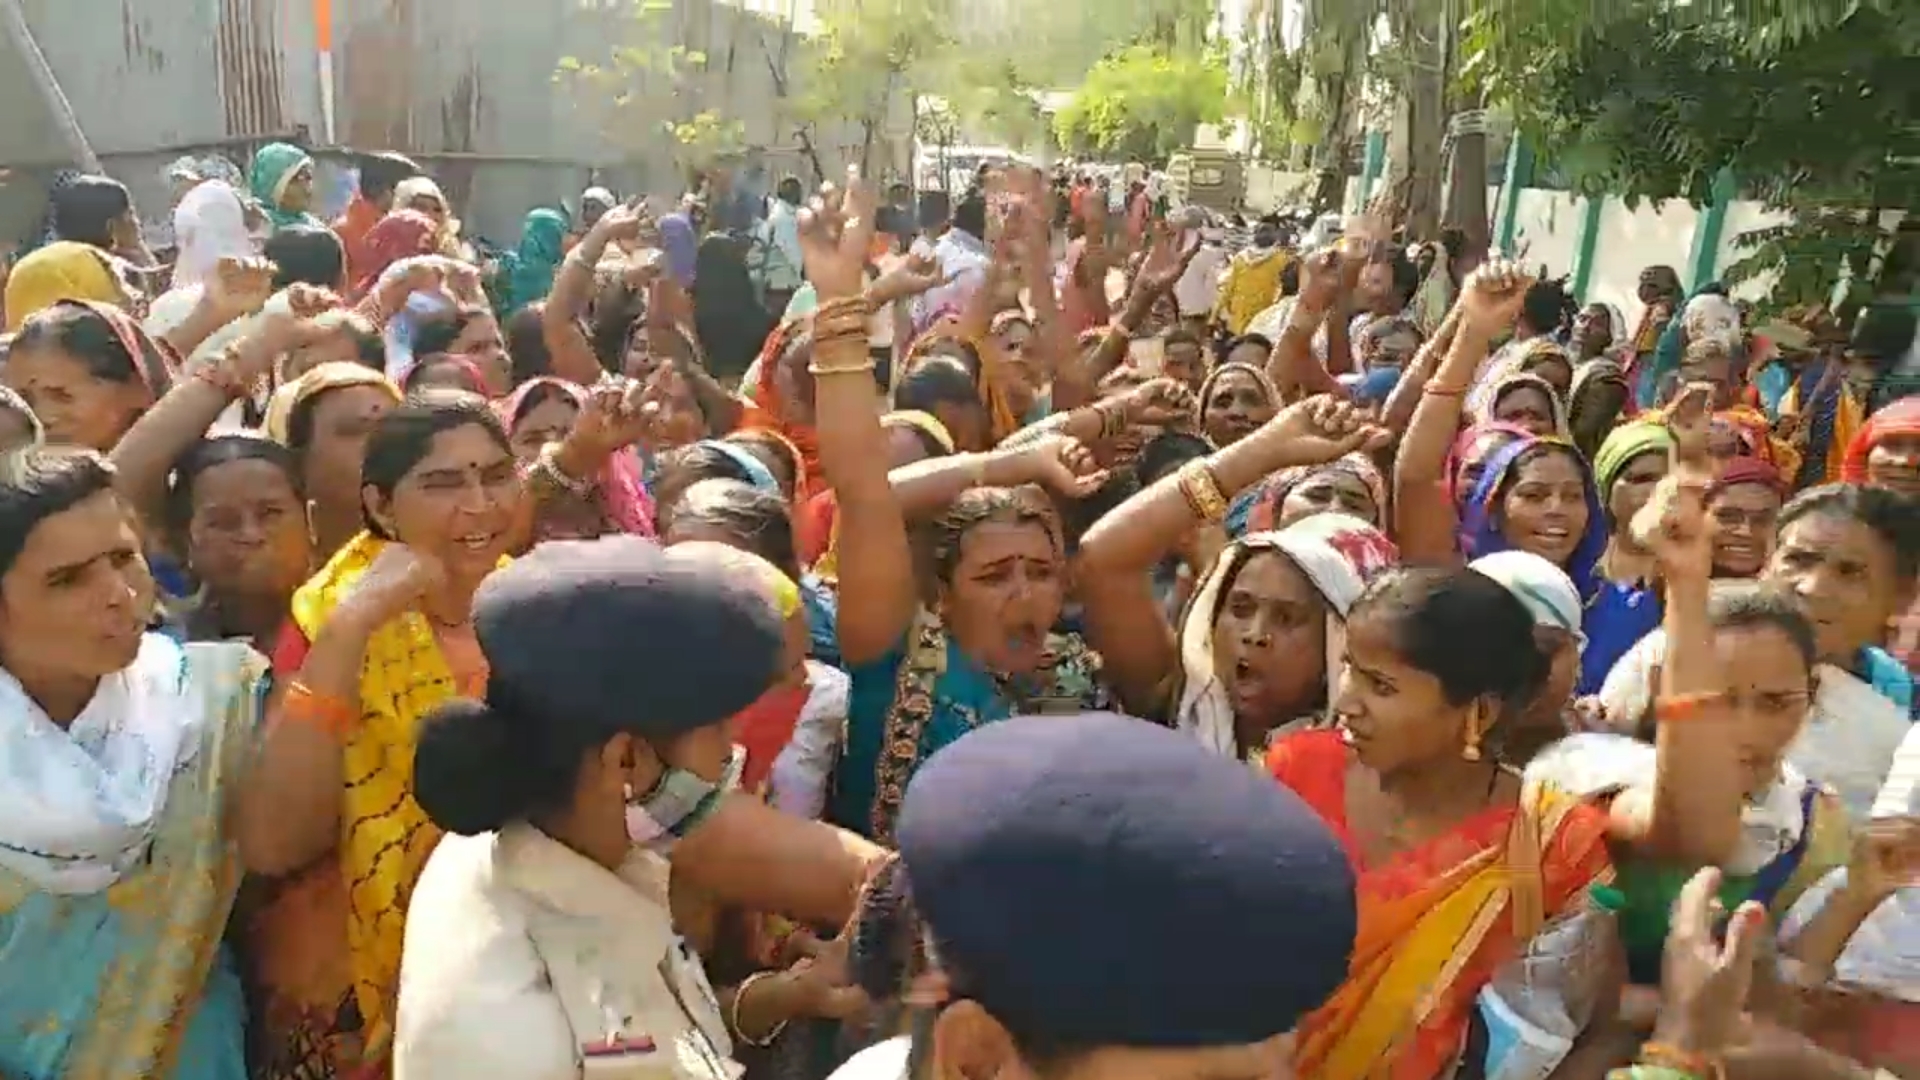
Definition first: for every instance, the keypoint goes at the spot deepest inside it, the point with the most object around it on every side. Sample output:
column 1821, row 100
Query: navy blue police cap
column 1097, row 880
column 625, row 636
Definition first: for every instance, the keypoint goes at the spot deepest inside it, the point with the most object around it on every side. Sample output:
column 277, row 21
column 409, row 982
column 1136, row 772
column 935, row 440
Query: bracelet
column 1113, row 419
column 1438, row 390
column 219, row 374
column 849, row 306
column 1685, row 707
column 1671, row 1058
column 861, row 364
column 547, row 465
column 733, row 1013
column 324, row 711
column 1202, row 491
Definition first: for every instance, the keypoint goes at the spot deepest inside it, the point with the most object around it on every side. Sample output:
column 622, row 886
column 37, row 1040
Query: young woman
column 116, row 878
column 380, row 635
column 324, row 417
column 87, row 371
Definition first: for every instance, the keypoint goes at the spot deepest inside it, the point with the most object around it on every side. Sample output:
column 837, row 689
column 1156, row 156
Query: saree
column 1437, row 920
column 131, row 982
column 385, row 837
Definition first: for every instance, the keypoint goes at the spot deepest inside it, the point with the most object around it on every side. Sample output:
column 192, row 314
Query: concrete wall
column 466, row 86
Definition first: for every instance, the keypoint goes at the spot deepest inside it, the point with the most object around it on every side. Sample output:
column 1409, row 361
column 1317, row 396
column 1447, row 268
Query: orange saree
column 1436, row 921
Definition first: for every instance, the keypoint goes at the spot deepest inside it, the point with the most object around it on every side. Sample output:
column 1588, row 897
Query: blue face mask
column 678, row 802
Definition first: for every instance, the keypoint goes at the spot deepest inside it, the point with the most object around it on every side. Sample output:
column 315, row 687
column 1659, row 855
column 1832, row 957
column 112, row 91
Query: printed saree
column 132, row 983
column 385, row 838
column 1436, row 921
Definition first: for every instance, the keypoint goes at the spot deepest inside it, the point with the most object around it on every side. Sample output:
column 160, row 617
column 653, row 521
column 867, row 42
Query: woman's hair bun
column 468, row 771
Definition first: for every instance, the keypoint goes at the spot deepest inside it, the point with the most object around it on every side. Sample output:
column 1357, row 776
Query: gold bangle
column 854, row 306
column 733, row 1014
column 860, row 362
column 1202, row 491
column 1113, row 418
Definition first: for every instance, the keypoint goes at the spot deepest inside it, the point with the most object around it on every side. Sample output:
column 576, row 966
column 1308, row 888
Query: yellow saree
column 384, row 836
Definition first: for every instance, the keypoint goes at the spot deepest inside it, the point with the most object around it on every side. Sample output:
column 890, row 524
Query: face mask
column 678, row 803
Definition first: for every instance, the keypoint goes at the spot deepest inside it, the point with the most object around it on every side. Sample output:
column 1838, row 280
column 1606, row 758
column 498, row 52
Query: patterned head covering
column 334, row 375
column 1272, row 492
column 1337, row 553
column 400, row 235
column 622, row 497
column 1544, row 588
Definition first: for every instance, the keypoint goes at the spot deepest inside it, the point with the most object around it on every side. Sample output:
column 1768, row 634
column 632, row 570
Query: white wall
column 1649, row 234
column 1546, row 229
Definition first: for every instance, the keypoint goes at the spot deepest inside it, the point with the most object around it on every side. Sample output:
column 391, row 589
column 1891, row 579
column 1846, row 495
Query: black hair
column 38, row 482
column 380, row 174
column 1893, row 517
column 790, row 184
column 1884, row 333
column 369, row 348
column 971, row 216
column 213, row 452
column 682, row 467
column 978, row 506
column 411, row 384
column 1406, row 276
column 85, row 209
column 475, row 769
column 536, row 397
column 1259, row 340
column 1712, row 288
column 526, row 335
column 1740, row 605
column 1179, row 335
column 403, row 437
column 306, row 255
column 1166, row 452
column 89, row 337
column 1463, row 628
column 438, row 335
column 1290, row 279
column 610, row 319
column 1545, row 306
column 936, row 381
column 753, row 520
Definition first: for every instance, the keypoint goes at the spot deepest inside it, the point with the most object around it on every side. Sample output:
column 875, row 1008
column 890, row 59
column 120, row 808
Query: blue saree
column 132, row 982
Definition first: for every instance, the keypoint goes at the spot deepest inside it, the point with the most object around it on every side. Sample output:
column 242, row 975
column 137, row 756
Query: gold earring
column 1471, row 751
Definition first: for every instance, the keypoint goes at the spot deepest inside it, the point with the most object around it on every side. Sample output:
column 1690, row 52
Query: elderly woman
column 282, row 180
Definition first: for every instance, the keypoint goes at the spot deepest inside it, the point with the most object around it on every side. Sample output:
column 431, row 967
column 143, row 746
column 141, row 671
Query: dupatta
column 385, row 837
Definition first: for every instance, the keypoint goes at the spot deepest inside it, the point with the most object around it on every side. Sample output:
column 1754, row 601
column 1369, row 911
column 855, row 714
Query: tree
column 869, row 59
column 1810, row 105
column 648, row 88
column 1143, row 103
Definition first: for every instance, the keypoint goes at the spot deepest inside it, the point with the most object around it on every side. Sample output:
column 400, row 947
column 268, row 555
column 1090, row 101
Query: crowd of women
column 406, row 674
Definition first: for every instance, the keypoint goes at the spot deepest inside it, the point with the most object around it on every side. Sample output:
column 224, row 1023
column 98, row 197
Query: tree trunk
column 1412, row 194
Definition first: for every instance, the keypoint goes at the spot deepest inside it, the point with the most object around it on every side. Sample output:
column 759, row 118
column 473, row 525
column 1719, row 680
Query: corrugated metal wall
column 465, row 85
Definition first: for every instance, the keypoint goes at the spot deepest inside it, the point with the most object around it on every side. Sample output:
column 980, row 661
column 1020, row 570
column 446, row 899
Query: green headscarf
column 273, row 166
column 1628, row 441
column 530, row 268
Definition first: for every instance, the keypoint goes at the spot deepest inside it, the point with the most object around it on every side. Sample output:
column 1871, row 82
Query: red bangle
column 328, row 713
column 1685, row 706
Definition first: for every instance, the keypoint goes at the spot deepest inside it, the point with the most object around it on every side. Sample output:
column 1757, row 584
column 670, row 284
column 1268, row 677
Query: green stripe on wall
column 1704, row 257
column 1519, row 175
column 1585, row 241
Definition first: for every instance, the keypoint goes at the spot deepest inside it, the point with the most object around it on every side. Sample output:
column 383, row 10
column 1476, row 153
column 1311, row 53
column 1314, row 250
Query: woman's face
column 1554, row 368
column 1528, row 407
column 1270, row 640
column 1743, row 519
column 679, row 421
column 458, row 504
column 342, row 419
column 547, row 422
column 1770, row 689
column 1473, row 460
column 1014, row 336
column 76, row 600
column 248, row 532
column 1185, row 361
column 1894, row 462
column 1393, row 715
column 1544, row 510
column 1631, row 490
column 1336, row 490
column 297, row 196
column 431, row 206
column 77, row 407
column 1592, row 331
column 1846, row 577
column 480, row 342
column 1005, row 594
column 1236, row 405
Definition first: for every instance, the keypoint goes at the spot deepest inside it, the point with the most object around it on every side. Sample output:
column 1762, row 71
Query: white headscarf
column 209, row 224
column 1544, row 588
column 79, row 805
column 1338, row 554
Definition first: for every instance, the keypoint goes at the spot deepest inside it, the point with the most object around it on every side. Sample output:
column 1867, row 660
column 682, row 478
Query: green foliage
column 645, row 87
column 1143, row 103
column 870, row 53
column 1806, row 100
column 1808, row 257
